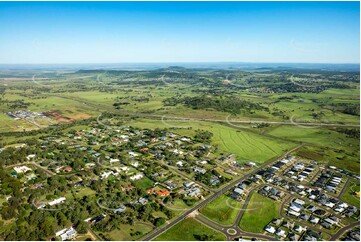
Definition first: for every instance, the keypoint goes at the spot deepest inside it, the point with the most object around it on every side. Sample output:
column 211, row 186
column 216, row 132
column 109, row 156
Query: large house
column 67, row 233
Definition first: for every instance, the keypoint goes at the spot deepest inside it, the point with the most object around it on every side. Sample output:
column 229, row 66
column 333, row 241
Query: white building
column 270, row 229
column 67, row 233
column 113, row 160
column 136, row 177
column 22, row 169
column 107, row 174
column 57, row 201
column 30, row 157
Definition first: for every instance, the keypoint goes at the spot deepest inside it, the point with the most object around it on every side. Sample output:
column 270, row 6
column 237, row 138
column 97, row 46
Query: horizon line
column 183, row 62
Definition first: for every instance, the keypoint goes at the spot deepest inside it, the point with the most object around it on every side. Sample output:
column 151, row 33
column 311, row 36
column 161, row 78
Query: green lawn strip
column 349, row 195
column 189, row 230
column 222, row 210
column 260, row 211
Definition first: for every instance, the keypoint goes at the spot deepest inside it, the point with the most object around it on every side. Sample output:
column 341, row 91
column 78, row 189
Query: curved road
column 343, row 230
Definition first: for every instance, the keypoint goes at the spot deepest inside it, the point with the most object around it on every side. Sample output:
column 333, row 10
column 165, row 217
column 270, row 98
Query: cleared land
column 189, row 230
column 350, row 195
column 222, row 210
column 260, row 211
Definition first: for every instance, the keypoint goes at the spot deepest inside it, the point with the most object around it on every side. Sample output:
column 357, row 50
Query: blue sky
column 117, row 32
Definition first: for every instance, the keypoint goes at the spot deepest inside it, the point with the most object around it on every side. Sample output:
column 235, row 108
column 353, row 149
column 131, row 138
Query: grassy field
column 84, row 192
column 349, row 195
column 324, row 144
column 123, row 233
column 222, row 210
column 260, row 211
column 336, row 157
column 186, row 230
column 317, row 135
column 144, row 183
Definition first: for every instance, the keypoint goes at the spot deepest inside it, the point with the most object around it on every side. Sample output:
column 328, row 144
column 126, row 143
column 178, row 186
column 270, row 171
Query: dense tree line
column 230, row 104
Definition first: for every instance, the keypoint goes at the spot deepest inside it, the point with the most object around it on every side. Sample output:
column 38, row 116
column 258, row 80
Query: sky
column 142, row 32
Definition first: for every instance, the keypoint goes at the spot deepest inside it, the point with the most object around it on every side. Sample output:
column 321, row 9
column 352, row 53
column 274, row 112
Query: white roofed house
column 294, row 213
column 299, row 228
column 177, row 152
column 251, row 164
column 299, row 201
column 270, row 229
column 105, row 175
column 22, row 169
column 113, row 161
column 133, row 154
column 136, row 177
column 193, row 192
column 281, row 233
column 200, row 170
column 314, row 220
column 329, row 204
column 57, row 201
column 238, row 191
column 30, row 157
column 67, row 233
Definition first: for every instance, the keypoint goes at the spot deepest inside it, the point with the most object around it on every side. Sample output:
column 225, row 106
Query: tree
column 82, row 227
column 62, row 220
column 159, row 221
column 203, row 136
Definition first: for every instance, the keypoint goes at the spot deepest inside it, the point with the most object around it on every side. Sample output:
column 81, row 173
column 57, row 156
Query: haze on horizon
column 159, row 32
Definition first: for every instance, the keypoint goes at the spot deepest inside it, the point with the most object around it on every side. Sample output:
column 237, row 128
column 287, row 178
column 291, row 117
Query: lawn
column 84, row 192
column 187, row 230
column 260, row 211
column 144, row 183
column 349, row 195
column 123, row 233
column 222, row 210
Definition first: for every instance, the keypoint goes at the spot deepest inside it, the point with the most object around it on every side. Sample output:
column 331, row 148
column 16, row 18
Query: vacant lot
column 260, row 211
column 125, row 230
column 350, row 195
column 188, row 230
column 222, row 210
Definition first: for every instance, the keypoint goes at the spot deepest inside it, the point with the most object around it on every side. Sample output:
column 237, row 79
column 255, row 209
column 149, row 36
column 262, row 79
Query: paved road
column 344, row 187
column 159, row 231
column 343, row 230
